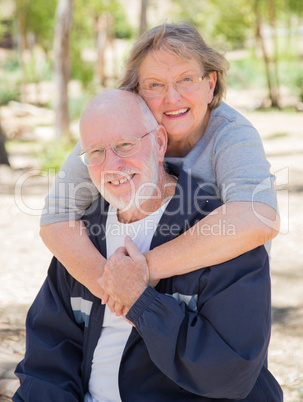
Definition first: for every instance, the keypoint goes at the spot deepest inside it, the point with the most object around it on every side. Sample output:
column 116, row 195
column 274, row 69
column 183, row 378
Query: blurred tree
column 35, row 22
column 3, row 154
column 224, row 24
column 62, row 67
column 143, row 16
column 262, row 10
column 96, row 24
column 230, row 24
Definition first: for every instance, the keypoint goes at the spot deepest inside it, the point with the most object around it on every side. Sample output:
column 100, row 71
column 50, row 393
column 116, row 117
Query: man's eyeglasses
column 95, row 155
column 185, row 84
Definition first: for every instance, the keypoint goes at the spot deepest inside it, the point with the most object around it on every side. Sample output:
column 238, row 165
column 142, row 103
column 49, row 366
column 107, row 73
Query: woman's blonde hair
column 183, row 40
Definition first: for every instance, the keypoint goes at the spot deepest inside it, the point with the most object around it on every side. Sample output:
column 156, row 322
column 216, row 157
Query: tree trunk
column 62, row 67
column 260, row 40
column 143, row 17
column 102, row 25
column 272, row 15
column 3, row 154
column 22, row 49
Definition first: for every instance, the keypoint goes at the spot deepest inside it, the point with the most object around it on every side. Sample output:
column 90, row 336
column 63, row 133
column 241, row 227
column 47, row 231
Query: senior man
column 197, row 337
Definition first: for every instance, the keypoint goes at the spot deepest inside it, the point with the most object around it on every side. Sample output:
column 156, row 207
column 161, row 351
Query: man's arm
column 217, row 351
column 50, row 370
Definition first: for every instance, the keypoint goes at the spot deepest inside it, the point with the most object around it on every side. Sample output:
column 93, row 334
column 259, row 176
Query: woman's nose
column 171, row 93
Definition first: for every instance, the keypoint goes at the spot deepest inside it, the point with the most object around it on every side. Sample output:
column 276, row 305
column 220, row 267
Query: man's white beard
column 135, row 197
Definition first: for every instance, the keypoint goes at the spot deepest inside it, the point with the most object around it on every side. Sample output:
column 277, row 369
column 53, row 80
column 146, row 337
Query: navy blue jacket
column 202, row 336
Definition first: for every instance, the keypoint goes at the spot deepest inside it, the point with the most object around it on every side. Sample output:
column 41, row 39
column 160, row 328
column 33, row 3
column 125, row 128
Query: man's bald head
column 115, row 109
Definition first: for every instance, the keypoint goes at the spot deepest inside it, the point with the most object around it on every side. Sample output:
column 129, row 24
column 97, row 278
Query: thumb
column 132, row 248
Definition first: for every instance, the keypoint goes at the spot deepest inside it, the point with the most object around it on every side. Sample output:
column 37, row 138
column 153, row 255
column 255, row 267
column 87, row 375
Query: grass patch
column 277, row 135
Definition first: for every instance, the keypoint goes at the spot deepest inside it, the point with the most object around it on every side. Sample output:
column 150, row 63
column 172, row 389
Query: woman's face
column 184, row 115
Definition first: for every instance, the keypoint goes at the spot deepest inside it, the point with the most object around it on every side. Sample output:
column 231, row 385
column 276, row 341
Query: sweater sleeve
column 217, row 349
column 72, row 192
column 51, row 368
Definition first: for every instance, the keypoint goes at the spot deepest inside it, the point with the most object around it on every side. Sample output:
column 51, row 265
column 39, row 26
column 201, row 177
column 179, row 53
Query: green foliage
column 38, row 70
column 81, row 70
column 37, row 17
column 246, row 73
column 77, row 105
column 291, row 74
column 10, row 79
column 227, row 24
column 54, row 154
column 8, row 92
column 2, row 30
column 121, row 28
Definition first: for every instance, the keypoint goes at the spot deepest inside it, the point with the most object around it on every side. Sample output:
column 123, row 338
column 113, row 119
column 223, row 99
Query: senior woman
column 182, row 80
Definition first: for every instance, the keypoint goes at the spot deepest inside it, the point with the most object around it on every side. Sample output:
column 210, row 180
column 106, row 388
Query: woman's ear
column 161, row 141
column 212, row 80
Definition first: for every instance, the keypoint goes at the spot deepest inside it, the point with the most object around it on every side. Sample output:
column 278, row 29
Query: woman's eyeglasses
column 185, row 84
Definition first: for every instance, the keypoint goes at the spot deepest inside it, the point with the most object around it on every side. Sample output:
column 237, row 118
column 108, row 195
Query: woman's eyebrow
column 187, row 72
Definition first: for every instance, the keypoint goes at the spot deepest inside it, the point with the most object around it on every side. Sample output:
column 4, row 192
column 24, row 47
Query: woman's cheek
column 154, row 105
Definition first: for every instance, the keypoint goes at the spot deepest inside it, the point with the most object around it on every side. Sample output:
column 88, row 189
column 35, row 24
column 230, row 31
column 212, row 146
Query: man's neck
column 165, row 189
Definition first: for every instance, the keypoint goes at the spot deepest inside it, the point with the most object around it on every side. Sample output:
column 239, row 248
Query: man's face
column 125, row 182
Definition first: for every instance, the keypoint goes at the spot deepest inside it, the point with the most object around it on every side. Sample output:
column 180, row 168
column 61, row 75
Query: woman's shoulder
column 228, row 125
column 226, row 115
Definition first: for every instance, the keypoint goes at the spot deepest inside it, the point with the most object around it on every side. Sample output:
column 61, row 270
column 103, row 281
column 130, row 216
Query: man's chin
column 121, row 204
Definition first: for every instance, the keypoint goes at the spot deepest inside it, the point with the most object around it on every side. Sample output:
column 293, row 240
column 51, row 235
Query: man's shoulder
column 190, row 193
column 96, row 210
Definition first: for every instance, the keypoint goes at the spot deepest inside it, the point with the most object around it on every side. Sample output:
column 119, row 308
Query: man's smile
column 124, row 179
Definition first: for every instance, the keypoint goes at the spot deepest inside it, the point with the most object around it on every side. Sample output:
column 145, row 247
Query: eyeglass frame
column 84, row 151
column 174, row 83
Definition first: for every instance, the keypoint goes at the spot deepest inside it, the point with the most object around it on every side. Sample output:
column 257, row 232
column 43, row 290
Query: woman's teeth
column 177, row 112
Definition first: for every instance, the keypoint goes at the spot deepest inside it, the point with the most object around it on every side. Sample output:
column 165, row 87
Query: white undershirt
column 103, row 383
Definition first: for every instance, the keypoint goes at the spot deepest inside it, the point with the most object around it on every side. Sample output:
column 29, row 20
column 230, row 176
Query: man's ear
column 161, row 142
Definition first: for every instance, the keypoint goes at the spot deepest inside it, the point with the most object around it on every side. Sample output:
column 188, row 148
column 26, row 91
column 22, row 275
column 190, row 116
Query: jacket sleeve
column 50, row 370
column 218, row 349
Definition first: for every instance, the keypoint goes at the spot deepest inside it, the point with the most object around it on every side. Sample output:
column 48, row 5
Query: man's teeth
column 175, row 113
column 123, row 180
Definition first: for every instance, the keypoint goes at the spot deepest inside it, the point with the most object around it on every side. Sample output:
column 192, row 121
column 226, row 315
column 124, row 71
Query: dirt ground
column 24, row 258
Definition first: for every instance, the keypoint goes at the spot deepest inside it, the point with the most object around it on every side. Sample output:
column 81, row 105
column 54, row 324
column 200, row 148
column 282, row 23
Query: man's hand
column 126, row 275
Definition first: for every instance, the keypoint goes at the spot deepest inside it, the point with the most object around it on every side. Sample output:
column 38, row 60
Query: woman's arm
column 226, row 233
column 69, row 242
column 61, row 229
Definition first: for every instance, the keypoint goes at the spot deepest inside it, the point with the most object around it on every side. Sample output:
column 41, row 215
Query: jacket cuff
column 141, row 304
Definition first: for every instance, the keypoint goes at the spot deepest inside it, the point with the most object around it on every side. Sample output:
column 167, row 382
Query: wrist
column 153, row 266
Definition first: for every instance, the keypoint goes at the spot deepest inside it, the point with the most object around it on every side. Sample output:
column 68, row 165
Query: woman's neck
column 182, row 147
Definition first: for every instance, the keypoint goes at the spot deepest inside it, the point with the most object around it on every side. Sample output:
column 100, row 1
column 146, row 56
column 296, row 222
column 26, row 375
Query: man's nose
column 112, row 161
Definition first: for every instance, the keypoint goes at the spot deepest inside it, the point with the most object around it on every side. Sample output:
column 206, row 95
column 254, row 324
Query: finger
column 133, row 249
column 119, row 309
column 104, row 296
column 120, row 252
column 111, row 304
